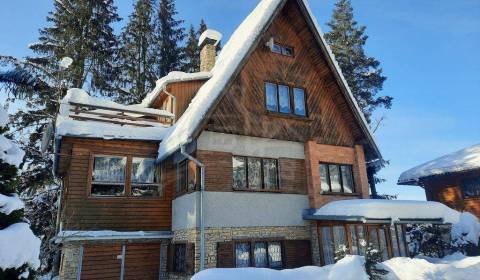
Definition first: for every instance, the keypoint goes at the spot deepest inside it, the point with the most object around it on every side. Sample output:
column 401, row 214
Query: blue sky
column 428, row 50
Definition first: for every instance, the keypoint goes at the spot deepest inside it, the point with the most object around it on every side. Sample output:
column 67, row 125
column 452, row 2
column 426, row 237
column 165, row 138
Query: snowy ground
column 453, row 267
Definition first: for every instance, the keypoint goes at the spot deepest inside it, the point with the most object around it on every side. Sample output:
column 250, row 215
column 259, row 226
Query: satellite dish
column 47, row 136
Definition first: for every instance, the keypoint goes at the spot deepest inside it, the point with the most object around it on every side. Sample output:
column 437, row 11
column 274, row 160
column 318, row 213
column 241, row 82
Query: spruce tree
column 192, row 53
column 169, row 36
column 363, row 73
column 19, row 248
column 136, row 57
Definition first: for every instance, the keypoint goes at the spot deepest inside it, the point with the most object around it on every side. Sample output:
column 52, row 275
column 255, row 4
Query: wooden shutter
column 190, row 258
column 170, row 257
column 297, row 253
column 225, row 257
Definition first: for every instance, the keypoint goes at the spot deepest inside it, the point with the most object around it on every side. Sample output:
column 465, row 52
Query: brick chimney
column 208, row 43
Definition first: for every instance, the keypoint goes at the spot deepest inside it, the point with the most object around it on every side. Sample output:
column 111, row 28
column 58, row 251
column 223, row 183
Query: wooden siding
column 183, row 92
column 218, row 172
column 101, row 261
column 242, row 110
column 82, row 212
column 447, row 189
column 142, row 261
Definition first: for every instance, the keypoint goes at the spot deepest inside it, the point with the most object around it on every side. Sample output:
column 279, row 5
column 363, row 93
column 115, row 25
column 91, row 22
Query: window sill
column 339, row 193
column 288, row 116
column 259, row 190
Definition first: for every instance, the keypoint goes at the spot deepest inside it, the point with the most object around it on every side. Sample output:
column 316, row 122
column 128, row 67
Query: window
column 471, row 187
column 254, row 173
column 263, row 254
column 281, row 49
column 145, row 177
column 284, row 99
column 327, row 245
column 108, row 178
column 336, row 178
column 180, row 258
column 186, row 176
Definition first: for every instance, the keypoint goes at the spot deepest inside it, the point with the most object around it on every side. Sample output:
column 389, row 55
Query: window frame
column 340, row 178
column 127, row 193
column 291, row 98
column 92, row 182
column 174, row 261
column 179, row 189
column 262, row 175
column 283, row 48
column 251, row 252
column 158, row 184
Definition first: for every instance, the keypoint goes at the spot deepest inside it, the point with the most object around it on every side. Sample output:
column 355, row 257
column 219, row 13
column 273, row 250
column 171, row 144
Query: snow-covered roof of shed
column 464, row 160
column 383, row 209
column 172, row 77
column 227, row 63
column 67, row 126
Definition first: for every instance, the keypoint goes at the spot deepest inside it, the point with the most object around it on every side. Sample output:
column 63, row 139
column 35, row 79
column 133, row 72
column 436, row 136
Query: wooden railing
column 120, row 116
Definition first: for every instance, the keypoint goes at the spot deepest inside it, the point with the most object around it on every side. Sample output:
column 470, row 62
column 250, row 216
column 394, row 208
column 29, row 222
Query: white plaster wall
column 240, row 209
column 250, row 146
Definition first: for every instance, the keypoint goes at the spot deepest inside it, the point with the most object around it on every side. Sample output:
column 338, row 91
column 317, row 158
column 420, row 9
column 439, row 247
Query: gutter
column 202, row 190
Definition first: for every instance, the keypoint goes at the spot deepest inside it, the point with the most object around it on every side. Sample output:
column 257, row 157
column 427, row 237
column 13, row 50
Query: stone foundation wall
column 69, row 261
column 214, row 235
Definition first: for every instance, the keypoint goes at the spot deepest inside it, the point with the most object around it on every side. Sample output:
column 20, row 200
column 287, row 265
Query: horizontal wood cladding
column 447, row 189
column 218, row 172
column 82, row 212
column 242, row 110
column 100, row 262
column 142, row 261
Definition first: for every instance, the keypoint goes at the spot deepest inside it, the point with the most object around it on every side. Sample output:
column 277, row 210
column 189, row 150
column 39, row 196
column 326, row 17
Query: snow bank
column 348, row 268
column 454, row 267
column 463, row 160
column 19, row 246
column 9, row 151
column 8, row 204
column 66, row 126
column 466, row 229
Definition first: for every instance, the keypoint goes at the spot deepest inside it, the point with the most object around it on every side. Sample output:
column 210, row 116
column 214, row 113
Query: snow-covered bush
column 465, row 235
column 372, row 258
column 19, row 247
column 428, row 240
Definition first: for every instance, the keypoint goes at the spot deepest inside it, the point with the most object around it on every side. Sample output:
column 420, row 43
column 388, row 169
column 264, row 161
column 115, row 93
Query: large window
column 336, row 178
column 254, row 173
column 471, row 187
column 284, row 99
column 259, row 254
column 109, row 176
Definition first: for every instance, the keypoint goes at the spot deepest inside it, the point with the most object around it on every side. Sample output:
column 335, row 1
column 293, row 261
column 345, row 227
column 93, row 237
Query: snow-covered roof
column 210, row 34
column 172, row 77
column 74, row 235
column 459, row 161
column 96, row 127
column 383, row 209
column 227, row 64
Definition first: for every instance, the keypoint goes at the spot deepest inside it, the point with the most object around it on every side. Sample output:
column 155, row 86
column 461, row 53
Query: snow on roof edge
column 463, row 160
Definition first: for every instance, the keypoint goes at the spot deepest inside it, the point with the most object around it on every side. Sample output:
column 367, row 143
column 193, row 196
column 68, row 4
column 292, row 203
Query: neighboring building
column 453, row 179
column 223, row 168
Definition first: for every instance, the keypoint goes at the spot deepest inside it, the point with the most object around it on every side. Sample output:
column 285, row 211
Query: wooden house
column 453, row 179
column 221, row 168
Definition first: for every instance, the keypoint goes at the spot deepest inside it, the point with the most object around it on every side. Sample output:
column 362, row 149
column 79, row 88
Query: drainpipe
column 202, row 190
column 174, row 110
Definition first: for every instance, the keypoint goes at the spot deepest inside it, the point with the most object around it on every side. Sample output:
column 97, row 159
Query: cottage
column 453, row 179
column 228, row 167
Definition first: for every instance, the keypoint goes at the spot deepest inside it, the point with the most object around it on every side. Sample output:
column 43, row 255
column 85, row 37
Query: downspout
column 202, row 190
column 174, row 110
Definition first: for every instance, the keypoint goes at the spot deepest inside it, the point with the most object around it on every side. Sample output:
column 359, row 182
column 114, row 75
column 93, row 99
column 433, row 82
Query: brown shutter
column 170, row 257
column 225, row 257
column 190, row 258
column 297, row 253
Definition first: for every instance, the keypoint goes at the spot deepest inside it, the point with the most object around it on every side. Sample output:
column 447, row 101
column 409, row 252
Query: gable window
column 282, row 49
column 254, row 173
column 471, row 187
column 336, row 178
column 284, row 99
column 259, row 254
column 186, row 176
column 145, row 177
column 108, row 178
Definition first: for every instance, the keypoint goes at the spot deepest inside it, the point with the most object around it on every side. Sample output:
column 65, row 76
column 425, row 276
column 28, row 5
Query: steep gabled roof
column 460, row 161
column 230, row 61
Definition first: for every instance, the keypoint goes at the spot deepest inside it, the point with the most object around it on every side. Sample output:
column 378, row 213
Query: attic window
column 281, row 49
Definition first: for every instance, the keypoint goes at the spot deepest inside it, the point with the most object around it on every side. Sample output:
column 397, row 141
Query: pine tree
column 15, row 234
column 363, row 73
column 136, row 57
column 372, row 258
column 169, row 35
column 192, row 53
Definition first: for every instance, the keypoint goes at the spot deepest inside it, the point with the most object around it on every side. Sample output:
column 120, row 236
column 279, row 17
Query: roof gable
column 230, row 61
